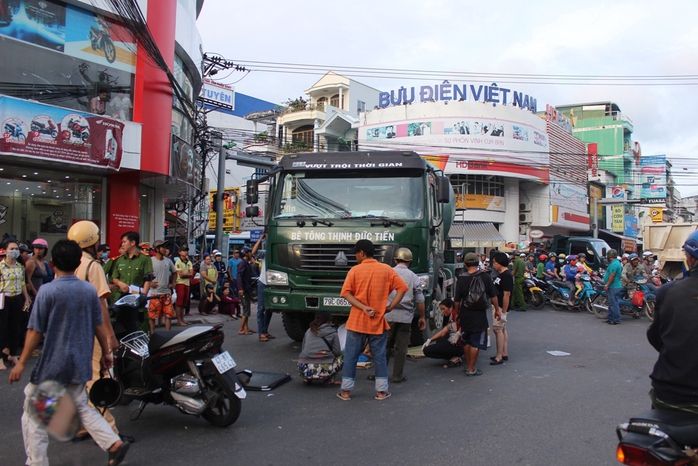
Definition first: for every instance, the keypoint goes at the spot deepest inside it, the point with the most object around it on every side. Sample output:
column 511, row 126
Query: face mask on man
column 104, row 255
column 14, row 254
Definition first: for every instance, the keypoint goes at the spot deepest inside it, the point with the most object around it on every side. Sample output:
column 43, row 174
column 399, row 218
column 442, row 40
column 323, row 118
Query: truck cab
column 594, row 248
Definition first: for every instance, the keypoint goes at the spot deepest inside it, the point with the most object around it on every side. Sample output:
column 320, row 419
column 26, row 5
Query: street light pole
column 218, row 137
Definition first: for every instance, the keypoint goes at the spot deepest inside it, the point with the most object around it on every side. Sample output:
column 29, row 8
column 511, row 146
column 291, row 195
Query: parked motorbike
column 79, row 131
column 600, row 304
column 14, row 130
column 100, row 39
column 185, row 368
column 658, row 437
column 560, row 295
column 50, row 128
column 533, row 293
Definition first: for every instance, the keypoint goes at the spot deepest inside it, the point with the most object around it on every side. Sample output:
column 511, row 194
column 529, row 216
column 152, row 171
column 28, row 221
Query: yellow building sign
column 480, row 202
column 231, row 209
column 657, row 214
column 618, row 218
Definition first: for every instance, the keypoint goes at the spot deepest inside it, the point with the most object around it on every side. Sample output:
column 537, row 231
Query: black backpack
column 476, row 297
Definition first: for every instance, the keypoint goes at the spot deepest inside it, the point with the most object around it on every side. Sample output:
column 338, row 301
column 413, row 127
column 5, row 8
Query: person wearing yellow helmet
column 87, row 235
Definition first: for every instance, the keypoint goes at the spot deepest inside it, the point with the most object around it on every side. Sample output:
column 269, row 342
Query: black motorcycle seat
column 681, row 426
column 560, row 283
column 160, row 339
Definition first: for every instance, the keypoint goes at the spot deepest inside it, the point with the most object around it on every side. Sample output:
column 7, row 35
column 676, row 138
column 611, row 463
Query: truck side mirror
column 252, row 196
column 251, row 211
column 443, row 190
column 603, row 252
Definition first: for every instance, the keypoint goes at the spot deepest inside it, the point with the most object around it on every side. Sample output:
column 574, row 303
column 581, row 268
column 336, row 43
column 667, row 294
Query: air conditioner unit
column 525, row 217
column 525, row 207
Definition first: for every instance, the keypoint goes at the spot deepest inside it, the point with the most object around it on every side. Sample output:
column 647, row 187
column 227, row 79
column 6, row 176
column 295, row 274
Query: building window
column 334, row 101
column 360, row 106
column 303, row 134
column 478, row 184
column 321, row 103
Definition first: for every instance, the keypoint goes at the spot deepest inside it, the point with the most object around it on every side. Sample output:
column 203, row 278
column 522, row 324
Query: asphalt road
column 536, row 409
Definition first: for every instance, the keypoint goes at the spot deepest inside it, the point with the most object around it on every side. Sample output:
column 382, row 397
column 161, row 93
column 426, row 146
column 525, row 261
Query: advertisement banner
column 475, row 137
column 595, row 192
column 618, row 219
column 230, row 209
column 564, row 217
column 630, row 227
column 480, row 202
column 657, row 214
column 653, row 179
column 565, row 194
column 71, row 30
column 186, row 165
column 618, row 192
column 52, row 133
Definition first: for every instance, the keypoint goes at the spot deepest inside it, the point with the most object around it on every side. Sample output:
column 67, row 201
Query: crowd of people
column 382, row 299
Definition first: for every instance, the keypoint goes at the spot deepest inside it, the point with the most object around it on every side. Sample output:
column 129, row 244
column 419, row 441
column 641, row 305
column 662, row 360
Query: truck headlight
column 424, row 279
column 276, row 278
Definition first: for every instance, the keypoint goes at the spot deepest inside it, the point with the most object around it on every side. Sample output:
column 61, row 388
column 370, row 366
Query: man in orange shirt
column 367, row 287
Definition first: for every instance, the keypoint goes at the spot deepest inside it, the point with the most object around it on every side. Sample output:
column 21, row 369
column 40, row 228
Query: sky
column 638, row 38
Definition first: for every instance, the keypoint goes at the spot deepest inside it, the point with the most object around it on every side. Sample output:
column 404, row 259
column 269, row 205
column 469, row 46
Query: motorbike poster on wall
column 53, row 133
column 69, row 29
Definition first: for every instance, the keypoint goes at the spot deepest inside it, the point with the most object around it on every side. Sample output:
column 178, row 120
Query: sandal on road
column 474, row 373
column 452, row 364
column 341, row 396
column 117, row 456
column 263, row 338
column 380, row 396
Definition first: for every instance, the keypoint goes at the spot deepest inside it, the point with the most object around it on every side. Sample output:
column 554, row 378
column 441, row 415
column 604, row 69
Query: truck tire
column 296, row 323
column 417, row 337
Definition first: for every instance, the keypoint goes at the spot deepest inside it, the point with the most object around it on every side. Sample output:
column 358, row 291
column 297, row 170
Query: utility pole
column 218, row 141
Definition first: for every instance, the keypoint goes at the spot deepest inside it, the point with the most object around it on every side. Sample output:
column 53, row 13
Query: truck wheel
column 437, row 318
column 417, row 337
column 296, row 323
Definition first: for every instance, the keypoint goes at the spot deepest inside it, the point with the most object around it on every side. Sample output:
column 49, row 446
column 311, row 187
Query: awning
column 475, row 235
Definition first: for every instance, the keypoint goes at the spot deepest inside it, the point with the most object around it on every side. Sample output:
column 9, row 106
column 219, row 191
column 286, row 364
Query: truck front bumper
column 280, row 299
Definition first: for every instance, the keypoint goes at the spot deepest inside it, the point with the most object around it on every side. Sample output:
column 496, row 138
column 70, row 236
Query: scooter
column 658, row 437
column 50, row 128
column 560, row 295
column 533, row 293
column 186, row 369
column 14, row 130
column 600, row 304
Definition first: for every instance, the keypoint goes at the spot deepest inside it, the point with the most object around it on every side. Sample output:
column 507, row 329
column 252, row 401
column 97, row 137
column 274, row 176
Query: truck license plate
column 335, row 302
column 223, row 362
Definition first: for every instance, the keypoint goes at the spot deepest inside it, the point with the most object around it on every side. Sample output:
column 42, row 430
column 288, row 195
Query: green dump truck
column 320, row 204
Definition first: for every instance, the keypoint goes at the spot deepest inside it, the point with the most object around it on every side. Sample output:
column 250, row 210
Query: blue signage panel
column 255, row 235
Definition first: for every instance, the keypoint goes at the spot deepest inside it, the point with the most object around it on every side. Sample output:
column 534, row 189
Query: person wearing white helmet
column 648, row 262
column 673, row 334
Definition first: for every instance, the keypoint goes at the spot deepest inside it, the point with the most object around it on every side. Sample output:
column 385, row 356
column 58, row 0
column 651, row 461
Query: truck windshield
column 349, row 195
